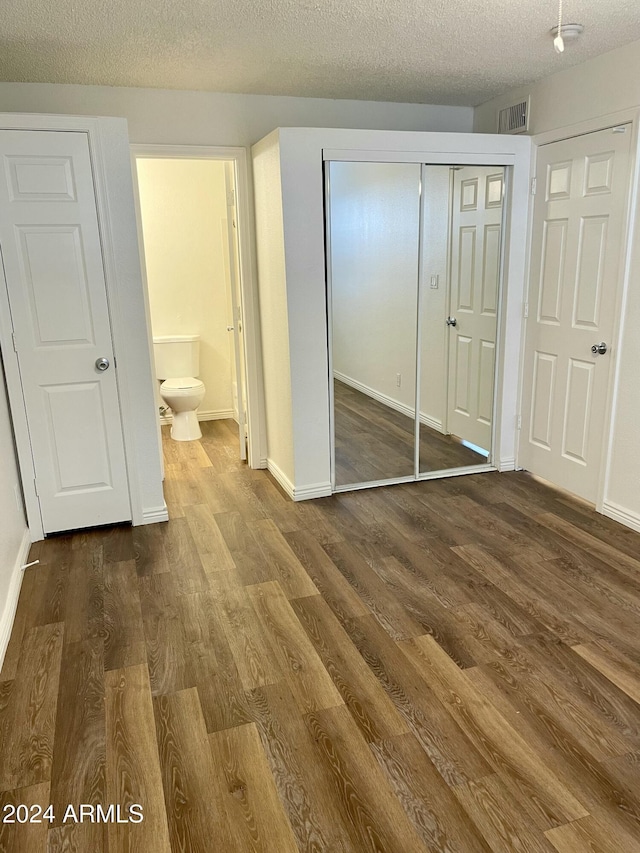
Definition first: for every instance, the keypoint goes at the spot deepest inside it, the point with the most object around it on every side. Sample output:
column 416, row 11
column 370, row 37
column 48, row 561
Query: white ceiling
column 423, row 51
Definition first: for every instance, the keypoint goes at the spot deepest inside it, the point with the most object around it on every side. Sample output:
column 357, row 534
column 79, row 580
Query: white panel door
column 476, row 223
column 578, row 222
column 53, row 269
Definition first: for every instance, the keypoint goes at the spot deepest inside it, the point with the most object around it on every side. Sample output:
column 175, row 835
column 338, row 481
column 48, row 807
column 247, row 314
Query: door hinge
column 526, row 310
column 231, row 198
column 533, row 186
column 519, row 422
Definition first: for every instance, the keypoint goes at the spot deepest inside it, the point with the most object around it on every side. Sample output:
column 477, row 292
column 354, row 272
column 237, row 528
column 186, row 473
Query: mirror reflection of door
column 459, row 310
column 414, row 259
column 374, row 217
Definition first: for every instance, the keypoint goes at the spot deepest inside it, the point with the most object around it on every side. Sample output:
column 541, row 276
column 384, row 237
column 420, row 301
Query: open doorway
column 189, row 229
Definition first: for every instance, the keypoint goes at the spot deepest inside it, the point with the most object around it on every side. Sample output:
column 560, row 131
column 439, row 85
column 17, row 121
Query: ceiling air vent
column 514, row 119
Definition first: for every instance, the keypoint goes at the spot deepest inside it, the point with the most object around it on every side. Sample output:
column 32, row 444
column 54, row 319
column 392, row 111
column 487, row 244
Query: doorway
column 414, row 256
column 190, row 232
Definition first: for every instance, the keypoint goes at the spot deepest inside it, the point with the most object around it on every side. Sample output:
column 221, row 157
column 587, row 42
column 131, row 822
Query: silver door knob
column 102, row 363
column 599, row 348
column 451, row 321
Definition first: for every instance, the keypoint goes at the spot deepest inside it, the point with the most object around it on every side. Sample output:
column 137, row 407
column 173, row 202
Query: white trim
column 155, row 514
column 211, row 415
column 446, row 158
column 621, row 515
column 305, row 493
column 433, row 423
column 315, row 490
column 248, row 279
column 392, row 403
column 13, row 594
column 281, row 477
column 508, row 464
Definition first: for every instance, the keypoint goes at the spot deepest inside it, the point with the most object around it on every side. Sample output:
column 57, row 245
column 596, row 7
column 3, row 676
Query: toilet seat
column 182, row 386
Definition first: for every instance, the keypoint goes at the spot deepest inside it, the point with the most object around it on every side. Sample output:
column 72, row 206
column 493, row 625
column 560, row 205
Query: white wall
column 300, row 160
column 274, row 321
column 13, row 526
column 183, row 205
column 375, row 223
column 592, row 91
column 206, row 118
column 603, row 85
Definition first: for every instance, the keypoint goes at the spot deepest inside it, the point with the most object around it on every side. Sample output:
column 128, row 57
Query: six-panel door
column 578, row 231
column 53, row 268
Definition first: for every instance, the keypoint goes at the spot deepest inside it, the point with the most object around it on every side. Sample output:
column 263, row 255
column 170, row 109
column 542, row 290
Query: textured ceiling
column 423, row 51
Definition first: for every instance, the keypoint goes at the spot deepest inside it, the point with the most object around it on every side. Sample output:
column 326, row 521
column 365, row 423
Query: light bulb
column 558, row 44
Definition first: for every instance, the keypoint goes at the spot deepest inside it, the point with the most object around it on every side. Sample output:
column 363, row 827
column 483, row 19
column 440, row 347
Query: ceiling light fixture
column 564, row 32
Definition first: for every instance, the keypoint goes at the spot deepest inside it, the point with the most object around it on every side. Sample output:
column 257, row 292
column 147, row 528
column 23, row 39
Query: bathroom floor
column 451, row 665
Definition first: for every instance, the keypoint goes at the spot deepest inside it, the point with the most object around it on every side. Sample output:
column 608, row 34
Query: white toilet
column 177, row 364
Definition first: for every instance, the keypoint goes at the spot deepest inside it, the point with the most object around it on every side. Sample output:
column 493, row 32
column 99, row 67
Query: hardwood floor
column 447, row 666
column 374, row 442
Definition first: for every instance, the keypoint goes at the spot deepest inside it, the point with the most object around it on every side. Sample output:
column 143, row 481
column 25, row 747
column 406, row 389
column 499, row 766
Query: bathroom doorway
column 190, row 218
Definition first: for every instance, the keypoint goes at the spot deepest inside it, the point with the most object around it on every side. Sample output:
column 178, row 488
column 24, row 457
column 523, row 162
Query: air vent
column 514, row 119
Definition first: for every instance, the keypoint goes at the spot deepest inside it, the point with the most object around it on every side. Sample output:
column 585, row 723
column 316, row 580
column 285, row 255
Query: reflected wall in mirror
column 461, row 251
column 414, row 261
column 373, row 248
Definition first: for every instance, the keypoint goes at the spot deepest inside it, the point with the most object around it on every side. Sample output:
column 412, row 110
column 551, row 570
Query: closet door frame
column 496, row 461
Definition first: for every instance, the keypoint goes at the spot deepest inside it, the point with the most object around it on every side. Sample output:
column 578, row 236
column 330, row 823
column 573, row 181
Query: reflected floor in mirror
column 375, row 442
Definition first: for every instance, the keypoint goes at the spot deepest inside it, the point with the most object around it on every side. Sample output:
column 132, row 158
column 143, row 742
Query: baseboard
column 155, row 514
column 621, row 515
column 508, row 464
column 13, row 594
column 392, row 403
column 315, row 490
column 281, row 477
column 434, row 423
column 214, row 415
column 301, row 493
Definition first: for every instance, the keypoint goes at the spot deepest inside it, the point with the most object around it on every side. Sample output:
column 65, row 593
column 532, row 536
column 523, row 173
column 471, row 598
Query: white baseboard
column 315, row 490
column 508, row 464
column 301, row 493
column 622, row 515
column 154, row 514
column 391, row 402
column 213, row 415
column 281, row 477
column 13, row 594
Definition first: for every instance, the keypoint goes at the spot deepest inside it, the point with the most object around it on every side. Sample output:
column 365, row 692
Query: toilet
column 177, row 360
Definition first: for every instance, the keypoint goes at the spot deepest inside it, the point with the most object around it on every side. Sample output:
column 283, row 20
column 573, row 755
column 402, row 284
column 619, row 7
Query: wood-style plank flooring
column 374, row 442
column 447, row 666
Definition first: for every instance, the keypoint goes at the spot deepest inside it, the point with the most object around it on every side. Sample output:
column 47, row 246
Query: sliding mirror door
column 461, row 262
column 373, row 235
column 414, row 258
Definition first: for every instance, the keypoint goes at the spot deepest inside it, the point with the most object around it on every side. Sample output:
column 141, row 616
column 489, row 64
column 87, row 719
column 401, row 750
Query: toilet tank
column 177, row 356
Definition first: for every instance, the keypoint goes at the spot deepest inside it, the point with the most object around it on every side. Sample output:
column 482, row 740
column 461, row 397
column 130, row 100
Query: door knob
column 599, row 348
column 451, row 321
column 102, row 363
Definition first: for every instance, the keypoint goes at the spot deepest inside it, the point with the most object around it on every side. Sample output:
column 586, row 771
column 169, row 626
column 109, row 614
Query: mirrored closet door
column 414, row 261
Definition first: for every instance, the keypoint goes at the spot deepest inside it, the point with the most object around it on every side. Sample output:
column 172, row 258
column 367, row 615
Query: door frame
column 631, row 216
column 120, row 259
column 247, row 284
